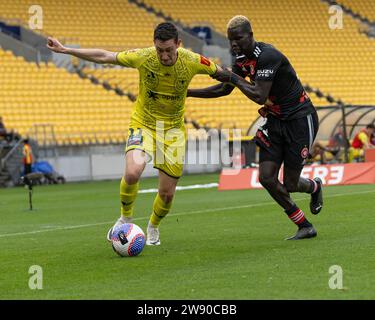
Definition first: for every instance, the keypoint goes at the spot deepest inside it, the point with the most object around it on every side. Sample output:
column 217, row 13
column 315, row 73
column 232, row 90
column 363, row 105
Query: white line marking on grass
column 54, row 229
column 194, row 186
column 176, row 214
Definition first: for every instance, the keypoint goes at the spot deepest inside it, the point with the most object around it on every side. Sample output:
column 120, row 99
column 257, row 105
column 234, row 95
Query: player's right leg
column 135, row 162
column 161, row 207
column 170, row 170
column 271, row 142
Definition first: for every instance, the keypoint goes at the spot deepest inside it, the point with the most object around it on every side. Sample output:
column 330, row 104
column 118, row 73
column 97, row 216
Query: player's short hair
column 370, row 126
column 239, row 22
column 166, row 31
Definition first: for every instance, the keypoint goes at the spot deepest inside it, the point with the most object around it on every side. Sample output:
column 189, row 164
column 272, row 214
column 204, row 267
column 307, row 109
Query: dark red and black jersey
column 287, row 99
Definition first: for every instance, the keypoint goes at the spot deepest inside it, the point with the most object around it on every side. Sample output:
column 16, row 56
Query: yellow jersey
column 162, row 89
column 27, row 154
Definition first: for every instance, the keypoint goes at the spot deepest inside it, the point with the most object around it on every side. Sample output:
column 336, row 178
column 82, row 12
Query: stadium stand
column 364, row 8
column 229, row 112
column 124, row 78
column 113, row 24
column 76, row 110
column 233, row 111
column 324, row 59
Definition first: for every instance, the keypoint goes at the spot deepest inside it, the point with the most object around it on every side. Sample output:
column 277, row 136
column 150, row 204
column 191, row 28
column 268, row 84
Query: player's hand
column 222, row 75
column 55, row 45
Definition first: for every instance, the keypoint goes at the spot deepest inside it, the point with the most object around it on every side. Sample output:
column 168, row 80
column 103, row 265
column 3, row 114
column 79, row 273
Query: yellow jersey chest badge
column 151, row 80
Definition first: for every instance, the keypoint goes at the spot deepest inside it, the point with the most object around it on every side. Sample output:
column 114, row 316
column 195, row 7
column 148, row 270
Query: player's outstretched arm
column 93, row 55
column 216, row 91
column 257, row 92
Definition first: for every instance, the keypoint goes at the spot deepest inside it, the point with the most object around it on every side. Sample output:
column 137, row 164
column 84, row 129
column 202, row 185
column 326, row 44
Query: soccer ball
column 128, row 240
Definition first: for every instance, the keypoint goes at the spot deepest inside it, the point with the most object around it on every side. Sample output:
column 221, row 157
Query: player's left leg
column 27, row 168
column 295, row 183
column 138, row 151
column 135, row 162
column 302, row 133
column 162, row 205
column 271, row 141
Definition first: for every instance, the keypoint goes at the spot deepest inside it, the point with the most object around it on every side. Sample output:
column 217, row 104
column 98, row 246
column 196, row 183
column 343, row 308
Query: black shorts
column 27, row 168
column 287, row 141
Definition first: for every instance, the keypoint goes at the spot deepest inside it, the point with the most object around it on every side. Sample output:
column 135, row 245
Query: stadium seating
column 124, row 78
column 111, row 24
column 337, row 61
column 234, row 111
column 324, row 58
column 366, row 8
column 70, row 109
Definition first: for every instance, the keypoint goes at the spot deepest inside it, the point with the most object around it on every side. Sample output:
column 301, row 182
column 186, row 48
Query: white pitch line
column 175, row 214
column 178, row 188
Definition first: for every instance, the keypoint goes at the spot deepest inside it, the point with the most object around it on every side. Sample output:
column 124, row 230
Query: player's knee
column 166, row 195
column 291, row 186
column 132, row 177
column 268, row 182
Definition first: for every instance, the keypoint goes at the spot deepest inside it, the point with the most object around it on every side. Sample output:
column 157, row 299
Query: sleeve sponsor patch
column 205, row 61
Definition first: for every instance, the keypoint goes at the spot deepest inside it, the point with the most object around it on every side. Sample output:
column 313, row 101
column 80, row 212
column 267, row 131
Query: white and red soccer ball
column 128, row 240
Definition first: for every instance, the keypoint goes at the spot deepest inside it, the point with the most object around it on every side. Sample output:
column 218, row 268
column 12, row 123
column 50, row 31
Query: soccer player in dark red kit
column 291, row 119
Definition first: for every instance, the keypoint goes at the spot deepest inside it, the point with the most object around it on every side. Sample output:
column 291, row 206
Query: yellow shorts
column 165, row 148
column 355, row 153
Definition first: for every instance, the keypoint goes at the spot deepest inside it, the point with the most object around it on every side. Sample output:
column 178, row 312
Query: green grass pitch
column 215, row 245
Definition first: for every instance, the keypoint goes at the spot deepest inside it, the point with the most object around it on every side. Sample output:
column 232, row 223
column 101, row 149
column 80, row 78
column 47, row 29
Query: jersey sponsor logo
column 205, row 61
column 264, row 73
column 171, row 98
column 155, row 96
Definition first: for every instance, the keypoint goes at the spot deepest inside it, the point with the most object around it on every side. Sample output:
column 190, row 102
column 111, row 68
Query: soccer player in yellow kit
column 156, row 127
